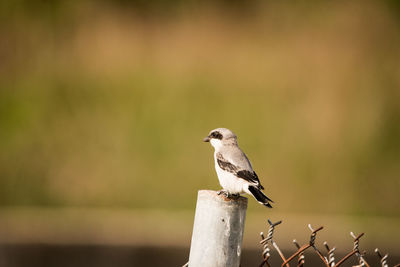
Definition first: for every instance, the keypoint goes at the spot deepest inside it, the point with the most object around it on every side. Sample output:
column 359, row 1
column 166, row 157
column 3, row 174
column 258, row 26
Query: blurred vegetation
column 105, row 104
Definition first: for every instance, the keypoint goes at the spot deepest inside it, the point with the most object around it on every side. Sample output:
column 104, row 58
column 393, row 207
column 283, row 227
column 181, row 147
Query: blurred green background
column 104, row 104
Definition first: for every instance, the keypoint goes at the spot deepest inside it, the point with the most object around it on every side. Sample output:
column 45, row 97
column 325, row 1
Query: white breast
column 229, row 181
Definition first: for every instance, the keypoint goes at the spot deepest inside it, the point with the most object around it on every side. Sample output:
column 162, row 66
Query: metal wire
column 301, row 260
column 331, row 257
column 361, row 259
column 383, row 259
column 312, row 243
column 264, row 241
column 329, row 260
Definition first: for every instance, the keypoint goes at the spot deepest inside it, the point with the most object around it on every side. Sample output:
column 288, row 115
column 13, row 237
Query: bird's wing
column 246, row 173
column 250, row 176
column 225, row 164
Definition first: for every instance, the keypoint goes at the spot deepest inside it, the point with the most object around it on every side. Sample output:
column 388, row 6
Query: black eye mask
column 216, row 135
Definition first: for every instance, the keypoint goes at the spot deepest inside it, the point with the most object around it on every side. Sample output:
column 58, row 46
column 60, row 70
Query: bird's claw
column 227, row 194
column 235, row 196
column 224, row 193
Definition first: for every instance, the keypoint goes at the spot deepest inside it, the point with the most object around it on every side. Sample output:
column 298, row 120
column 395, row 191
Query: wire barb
column 331, row 257
column 383, row 259
column 360, row 256
column 264, row 241
column 301, row 260
column 265, row 252
column 312, row 243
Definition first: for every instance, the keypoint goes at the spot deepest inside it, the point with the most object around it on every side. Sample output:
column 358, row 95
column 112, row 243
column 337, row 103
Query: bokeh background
column 104, row 104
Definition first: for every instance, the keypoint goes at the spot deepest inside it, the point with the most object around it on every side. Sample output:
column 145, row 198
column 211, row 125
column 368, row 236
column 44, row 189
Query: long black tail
column 260, row 196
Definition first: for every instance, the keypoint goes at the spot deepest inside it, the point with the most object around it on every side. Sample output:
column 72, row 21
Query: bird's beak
column 207, row 139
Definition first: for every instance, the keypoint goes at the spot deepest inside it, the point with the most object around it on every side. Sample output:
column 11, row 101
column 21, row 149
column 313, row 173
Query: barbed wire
column 328, row 259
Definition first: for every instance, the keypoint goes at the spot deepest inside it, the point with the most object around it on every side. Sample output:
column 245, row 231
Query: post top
column 211, row 194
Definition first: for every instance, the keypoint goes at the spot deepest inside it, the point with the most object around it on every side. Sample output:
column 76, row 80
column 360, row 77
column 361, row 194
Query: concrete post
column 217, row 231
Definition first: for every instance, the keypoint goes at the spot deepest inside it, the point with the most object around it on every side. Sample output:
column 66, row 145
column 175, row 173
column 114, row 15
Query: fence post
column 217, row 231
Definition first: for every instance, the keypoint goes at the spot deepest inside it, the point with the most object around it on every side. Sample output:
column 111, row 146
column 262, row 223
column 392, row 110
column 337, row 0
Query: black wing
column 249, row 176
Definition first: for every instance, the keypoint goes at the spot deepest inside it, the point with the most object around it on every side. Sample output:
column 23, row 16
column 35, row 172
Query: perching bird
column 234, row 170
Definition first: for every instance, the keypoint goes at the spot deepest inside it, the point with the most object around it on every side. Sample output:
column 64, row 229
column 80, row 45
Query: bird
column 234, row 170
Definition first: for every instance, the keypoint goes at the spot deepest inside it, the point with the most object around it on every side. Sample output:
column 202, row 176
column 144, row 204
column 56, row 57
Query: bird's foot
column 235, row 196
column 228, row 195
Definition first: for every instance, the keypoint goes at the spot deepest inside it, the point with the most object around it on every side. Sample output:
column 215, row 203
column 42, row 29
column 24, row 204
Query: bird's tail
column 260, row 196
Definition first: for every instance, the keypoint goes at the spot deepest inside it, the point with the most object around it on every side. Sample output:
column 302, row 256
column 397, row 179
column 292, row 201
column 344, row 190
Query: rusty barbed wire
column 331, row 256
column 304, row 247
column 312, row 243
column 264, row 242
column 265, row 253
column 360, row 255
column 383, row 259
column 301, row 259
column 328, row 260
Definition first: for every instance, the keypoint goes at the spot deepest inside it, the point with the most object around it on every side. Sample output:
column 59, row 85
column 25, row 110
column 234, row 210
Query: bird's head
column 221, row 136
